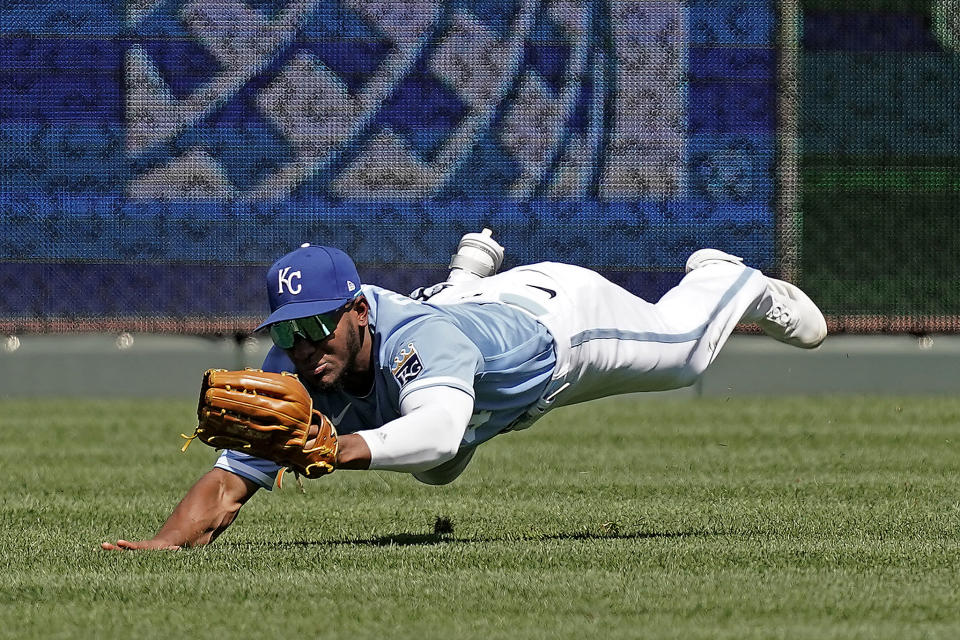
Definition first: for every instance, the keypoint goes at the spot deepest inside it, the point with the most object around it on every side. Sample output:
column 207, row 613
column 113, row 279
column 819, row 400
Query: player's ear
column 362, row 309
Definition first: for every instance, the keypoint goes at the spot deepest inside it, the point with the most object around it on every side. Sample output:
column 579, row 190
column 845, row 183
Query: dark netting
column 880, row 87
column 157, row 155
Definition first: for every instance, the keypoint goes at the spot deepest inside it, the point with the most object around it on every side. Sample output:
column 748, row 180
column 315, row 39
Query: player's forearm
column 428, row 433
column 353, row 452
column 208, row 508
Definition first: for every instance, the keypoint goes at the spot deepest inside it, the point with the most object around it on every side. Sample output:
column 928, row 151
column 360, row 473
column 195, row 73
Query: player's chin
column 328, row 380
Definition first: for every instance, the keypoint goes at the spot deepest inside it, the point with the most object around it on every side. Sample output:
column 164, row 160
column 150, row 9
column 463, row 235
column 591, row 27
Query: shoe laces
column 779, row 314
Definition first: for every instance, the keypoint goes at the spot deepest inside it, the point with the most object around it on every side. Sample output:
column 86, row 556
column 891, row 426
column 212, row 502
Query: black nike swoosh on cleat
column 553, row 294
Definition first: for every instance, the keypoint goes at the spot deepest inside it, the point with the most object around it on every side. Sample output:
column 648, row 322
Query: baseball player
column 416, row 386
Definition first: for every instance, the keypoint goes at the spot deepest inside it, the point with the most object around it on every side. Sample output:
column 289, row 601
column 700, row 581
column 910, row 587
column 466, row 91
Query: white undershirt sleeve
column 428, row 432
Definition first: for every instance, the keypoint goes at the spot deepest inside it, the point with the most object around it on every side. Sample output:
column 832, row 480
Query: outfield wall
column 156, row 155
column 880, row 192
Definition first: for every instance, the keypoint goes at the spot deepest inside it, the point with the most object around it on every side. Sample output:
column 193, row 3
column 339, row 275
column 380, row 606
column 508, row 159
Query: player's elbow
column 456, row 421
column 446, row 448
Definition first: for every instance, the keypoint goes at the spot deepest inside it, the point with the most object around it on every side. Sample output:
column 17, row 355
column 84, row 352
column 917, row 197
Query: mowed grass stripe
column 830, row 517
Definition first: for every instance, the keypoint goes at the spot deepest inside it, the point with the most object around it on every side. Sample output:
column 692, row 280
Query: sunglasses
column 314, row 328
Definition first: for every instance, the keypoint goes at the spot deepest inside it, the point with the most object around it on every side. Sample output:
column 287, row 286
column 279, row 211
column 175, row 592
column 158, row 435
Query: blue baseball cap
column 310, row 281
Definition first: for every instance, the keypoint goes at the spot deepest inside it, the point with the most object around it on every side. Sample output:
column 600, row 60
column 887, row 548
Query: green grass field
column 832, row 517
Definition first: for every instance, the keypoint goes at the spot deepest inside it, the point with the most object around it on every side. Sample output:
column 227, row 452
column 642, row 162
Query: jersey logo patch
column 407, row 365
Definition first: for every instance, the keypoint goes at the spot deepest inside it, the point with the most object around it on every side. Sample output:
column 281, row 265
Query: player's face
column 336, row 361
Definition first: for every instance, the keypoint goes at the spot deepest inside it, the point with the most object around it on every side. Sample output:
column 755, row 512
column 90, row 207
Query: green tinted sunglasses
column 313, row 328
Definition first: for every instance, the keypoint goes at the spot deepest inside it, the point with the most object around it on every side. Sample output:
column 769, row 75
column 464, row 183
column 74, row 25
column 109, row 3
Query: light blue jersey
column 500, row 356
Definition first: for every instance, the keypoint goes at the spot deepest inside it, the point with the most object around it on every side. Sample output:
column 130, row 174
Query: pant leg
column 620, row 343
column 706, row 306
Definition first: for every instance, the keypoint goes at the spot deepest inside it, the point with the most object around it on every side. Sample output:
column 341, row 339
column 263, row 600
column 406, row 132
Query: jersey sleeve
column 432, row 353
column 262, row 472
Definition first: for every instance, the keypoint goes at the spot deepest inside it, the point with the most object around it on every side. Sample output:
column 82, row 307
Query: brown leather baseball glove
column 268, row 415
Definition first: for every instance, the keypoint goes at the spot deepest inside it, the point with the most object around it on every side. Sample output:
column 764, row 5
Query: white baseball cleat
column 792, row 317
column 704, row 257
column 786, row 314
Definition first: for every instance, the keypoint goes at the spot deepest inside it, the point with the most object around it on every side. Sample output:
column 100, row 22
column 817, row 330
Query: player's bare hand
column 126, row 545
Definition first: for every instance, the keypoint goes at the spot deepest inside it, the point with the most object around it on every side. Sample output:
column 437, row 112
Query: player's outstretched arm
column 204, row 513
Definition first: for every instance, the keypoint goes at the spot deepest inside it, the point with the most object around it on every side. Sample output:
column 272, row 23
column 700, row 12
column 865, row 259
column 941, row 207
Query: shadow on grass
column 425, row 539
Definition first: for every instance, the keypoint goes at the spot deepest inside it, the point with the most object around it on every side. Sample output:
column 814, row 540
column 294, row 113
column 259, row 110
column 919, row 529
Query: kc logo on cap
column 284, row 277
